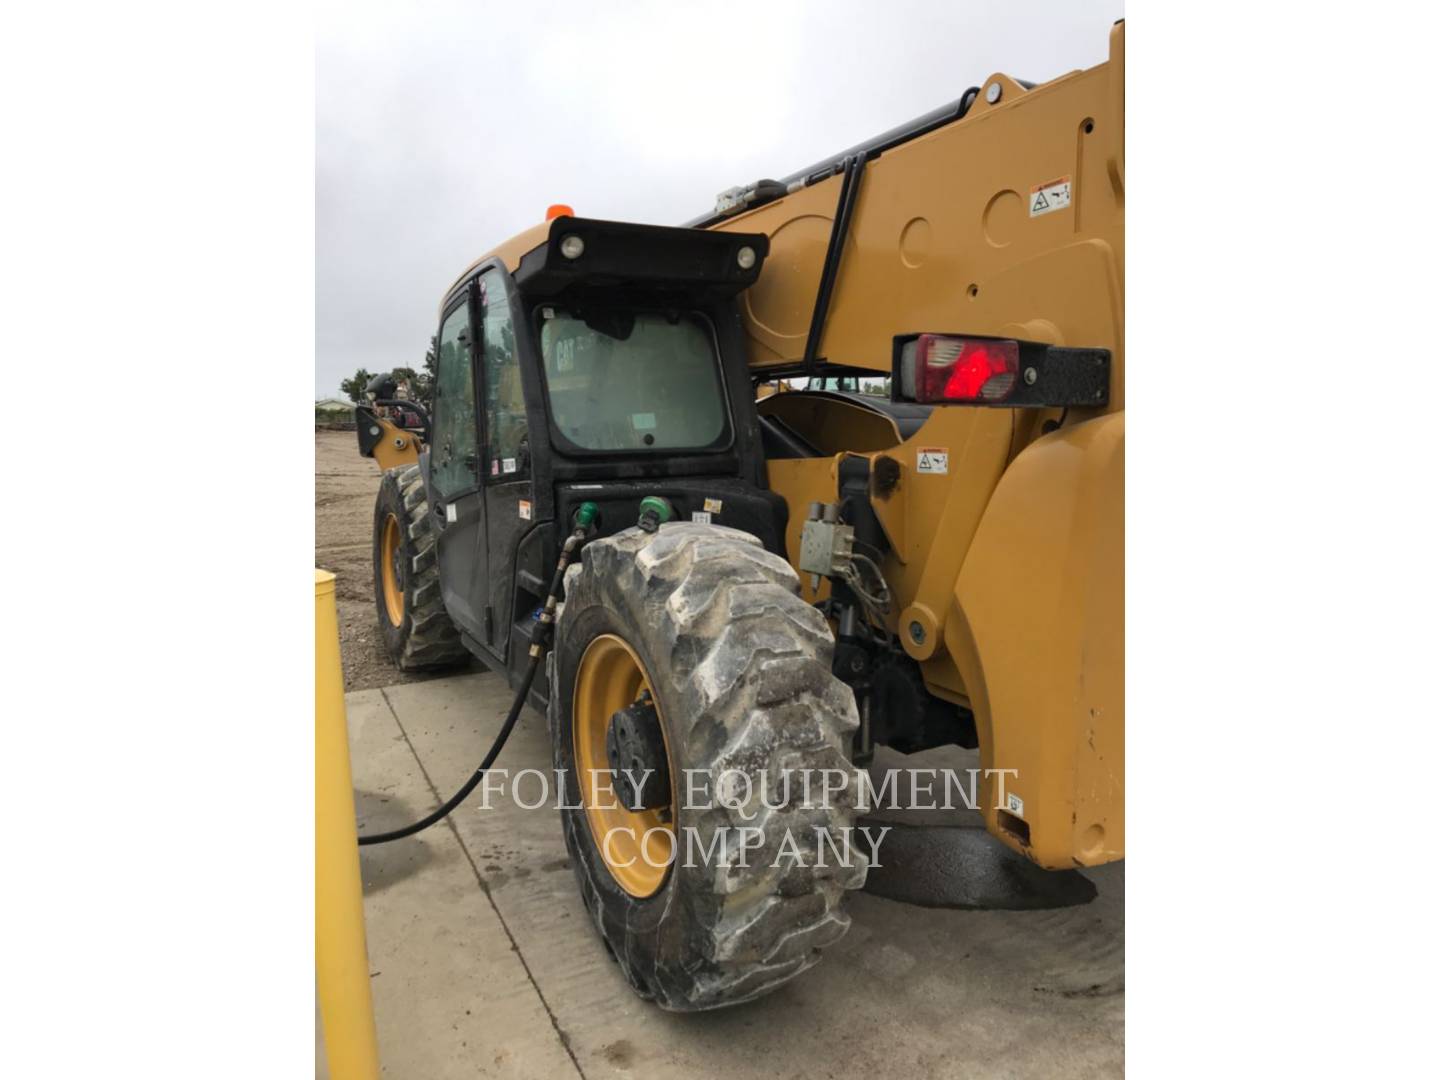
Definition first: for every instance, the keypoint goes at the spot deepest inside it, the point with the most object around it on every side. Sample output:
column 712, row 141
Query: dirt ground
column 345, row 486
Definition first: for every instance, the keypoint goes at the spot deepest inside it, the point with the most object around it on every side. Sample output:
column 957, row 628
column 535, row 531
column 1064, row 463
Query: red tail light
column 963, row 369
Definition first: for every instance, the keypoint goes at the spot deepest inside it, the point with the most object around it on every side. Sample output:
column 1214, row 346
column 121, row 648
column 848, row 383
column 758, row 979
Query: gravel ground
column 345, row 486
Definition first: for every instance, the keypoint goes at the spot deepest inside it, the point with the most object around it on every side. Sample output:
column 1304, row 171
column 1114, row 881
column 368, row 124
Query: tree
column 354, row 387
column 425, row 383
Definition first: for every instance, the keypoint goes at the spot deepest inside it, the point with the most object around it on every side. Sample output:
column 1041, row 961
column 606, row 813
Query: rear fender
column 1036, row 627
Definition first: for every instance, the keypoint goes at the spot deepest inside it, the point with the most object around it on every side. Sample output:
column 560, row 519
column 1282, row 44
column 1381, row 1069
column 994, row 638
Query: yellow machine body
column 396, row 446
column 1007, row 568
column 1012, row 562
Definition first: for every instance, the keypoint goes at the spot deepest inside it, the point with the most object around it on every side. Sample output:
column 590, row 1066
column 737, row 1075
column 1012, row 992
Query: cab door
column 505, row 461
column 456, row 495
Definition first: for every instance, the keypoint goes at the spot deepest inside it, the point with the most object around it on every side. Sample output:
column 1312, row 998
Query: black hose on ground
column 543, row 630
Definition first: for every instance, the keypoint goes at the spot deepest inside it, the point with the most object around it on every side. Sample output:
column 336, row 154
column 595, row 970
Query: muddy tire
column 417, row 633
column 740, row 669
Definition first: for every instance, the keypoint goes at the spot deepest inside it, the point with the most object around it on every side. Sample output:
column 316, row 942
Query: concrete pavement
column 485, row 963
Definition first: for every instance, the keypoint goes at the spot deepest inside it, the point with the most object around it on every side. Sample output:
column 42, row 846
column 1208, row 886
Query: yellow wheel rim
column 637, row 845
column 390, row 570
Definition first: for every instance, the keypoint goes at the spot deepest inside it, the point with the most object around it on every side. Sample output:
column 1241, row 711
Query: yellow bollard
column 342, row 969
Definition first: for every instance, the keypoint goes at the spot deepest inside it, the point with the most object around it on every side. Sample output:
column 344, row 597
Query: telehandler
column 775, row 580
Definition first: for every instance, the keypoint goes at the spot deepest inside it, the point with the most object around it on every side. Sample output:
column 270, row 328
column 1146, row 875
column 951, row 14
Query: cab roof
column 648, row 259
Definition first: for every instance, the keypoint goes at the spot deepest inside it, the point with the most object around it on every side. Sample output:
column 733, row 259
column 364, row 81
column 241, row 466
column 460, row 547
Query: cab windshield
column 624, row 380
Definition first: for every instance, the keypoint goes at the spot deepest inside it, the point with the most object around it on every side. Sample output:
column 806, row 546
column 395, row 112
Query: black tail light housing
column 968, row 369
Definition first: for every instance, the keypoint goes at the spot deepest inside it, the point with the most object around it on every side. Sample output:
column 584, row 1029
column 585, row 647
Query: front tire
column 417, row 633
column 739, row 668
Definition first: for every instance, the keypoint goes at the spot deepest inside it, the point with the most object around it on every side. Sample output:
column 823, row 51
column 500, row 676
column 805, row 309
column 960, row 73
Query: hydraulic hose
column 544, row 627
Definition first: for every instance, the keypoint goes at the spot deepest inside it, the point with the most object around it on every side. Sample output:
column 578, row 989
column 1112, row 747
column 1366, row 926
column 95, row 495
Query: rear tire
column 739, row 665
column 414, row 626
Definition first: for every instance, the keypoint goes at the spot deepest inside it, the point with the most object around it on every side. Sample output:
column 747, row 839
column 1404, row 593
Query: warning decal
column 1051, row 195
column 932, row 459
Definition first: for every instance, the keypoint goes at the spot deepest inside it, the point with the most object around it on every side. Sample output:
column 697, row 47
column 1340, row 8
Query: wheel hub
column 635, row 750
column 637, row 846
column 391, row 570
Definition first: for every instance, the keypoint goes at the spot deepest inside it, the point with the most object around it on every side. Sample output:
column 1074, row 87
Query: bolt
column 992, row 93
column 917, row 633
column 1030, row 376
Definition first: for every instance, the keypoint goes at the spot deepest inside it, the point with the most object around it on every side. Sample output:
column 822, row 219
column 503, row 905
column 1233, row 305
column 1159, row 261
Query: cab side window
column 453, row 452
column 507, row 455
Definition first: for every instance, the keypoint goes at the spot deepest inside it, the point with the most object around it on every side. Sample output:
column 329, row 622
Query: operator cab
column 587, row 361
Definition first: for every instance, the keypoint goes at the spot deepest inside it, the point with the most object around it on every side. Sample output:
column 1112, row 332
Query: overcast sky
column 442, row 129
